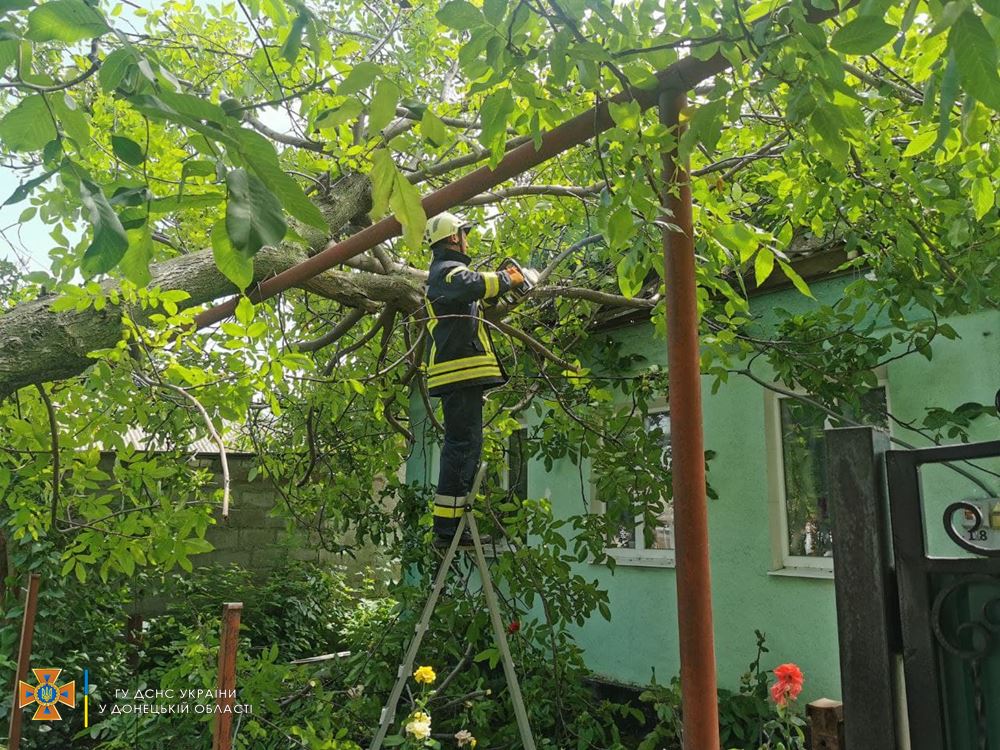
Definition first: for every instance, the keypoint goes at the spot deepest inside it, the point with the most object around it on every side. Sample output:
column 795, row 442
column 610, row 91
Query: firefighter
column 462, row 363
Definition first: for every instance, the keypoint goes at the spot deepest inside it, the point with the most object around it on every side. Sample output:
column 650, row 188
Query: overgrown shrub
column 748, row 718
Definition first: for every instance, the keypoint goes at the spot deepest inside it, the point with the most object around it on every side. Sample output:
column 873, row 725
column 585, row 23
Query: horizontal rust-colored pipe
column 682, row 76
column 574, row 132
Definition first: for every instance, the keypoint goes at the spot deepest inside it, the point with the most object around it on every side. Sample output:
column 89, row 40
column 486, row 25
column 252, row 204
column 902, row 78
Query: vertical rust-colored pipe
column 222, row 727
column 694, row 585
column 23, row 657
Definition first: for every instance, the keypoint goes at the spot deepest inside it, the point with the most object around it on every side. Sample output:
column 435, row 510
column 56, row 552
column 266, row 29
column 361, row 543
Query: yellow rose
column 419, row 725
column 425, row 675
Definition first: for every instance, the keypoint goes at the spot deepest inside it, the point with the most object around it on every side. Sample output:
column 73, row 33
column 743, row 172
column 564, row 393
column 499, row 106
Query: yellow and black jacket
column 461, row 351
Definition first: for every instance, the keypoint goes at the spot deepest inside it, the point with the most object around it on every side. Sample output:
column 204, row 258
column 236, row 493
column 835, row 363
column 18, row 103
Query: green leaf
column 826, row 122
column 28, row 126
column 253, row 214
column 620, row 227
column 794, row 277
column 73, row 121
column 198, row 168
column 334, row 118
column 24, row 189
column 9, row 5
column 127, row 150
column 195, row 107
column 183, row 202
column 360, row 78
column 110, row 242
column 738, row 239
column 8, row 47
column 493, row 115
column 983, row 196
column 293, row 42
column 276, row 11
column 65, row 21
column 763, row 264
column 461, row 15
column 383, row 106
column 433, row 129
column 135, row 262
column 949, row 93
column 495, row 11
column 382, row 177
column 195, row 168
column 990, row 6
column 115, row 67
column 921, row 143
column 245, row 311
column 407, row 208
column 197, row 546
column 263, row 159
column 234, row 265
column 976, row 56
column 863, row 35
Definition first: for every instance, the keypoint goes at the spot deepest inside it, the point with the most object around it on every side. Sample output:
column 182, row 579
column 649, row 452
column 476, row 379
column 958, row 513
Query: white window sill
column 821, row 573
column 661, row 558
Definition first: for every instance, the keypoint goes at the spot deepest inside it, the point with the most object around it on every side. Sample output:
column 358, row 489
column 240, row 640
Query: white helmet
column 443, row 225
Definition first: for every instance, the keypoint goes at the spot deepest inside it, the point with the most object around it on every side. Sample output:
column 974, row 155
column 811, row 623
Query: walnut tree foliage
column 178, row 156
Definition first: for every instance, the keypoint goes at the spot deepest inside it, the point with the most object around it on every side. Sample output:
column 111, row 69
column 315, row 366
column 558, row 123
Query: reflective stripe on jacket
column 461, row 351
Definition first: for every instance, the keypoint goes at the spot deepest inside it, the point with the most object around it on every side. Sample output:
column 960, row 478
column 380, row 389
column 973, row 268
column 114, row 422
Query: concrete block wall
column 253, row 536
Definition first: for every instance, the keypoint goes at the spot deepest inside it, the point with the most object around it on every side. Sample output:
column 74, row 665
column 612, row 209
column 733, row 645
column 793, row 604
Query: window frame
column 651, row 558
column 783, row 563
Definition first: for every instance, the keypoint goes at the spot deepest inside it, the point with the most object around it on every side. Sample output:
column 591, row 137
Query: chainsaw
column 530, row 279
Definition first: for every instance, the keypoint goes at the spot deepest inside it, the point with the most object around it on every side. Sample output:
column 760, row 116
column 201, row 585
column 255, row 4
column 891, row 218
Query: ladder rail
column 492, row 604
column 405, row 669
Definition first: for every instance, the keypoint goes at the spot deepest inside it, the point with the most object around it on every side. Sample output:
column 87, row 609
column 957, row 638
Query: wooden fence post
column 228, row 641
column 826, row 724
column 23, row 657
column 867, row 618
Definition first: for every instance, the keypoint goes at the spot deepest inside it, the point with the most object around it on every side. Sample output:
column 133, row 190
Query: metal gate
column 948, row 577
column 917, row 576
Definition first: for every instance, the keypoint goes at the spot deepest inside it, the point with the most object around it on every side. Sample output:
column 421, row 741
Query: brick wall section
column 252, row 536
column 256, row 539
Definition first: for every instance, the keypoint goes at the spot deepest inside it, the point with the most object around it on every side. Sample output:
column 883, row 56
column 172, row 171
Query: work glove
column 516, row 278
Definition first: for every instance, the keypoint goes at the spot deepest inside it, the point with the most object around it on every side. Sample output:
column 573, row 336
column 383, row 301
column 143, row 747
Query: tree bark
column 39, row 345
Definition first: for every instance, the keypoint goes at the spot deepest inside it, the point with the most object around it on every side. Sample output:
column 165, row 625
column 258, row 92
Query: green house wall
column 796, row 612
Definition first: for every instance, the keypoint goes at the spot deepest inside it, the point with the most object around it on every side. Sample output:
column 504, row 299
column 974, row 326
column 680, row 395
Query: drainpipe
column 699, row 699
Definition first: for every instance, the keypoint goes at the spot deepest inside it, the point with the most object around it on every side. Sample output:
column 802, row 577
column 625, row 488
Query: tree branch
column 346, row 324
column 54, row 431
column 592, row 295
column 565, row 191
column 216, row 437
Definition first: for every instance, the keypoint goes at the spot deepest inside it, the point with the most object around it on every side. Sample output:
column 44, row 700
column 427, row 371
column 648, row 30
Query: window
column 644, row 530
column 803, row 530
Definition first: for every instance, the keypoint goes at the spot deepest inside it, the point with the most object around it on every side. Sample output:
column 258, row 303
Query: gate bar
column 23, row 657
column 699, row 696
column 229, row 640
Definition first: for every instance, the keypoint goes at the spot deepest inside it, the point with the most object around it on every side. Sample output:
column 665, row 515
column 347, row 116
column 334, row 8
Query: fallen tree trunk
column 38, row 344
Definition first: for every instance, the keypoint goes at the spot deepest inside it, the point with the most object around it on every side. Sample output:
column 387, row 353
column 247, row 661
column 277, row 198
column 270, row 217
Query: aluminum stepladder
column 406, row 668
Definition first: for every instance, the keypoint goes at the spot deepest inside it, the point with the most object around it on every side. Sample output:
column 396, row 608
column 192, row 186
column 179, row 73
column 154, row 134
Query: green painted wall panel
column 798, row 614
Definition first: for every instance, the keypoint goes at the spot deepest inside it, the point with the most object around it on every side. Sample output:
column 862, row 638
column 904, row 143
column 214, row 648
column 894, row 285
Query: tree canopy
column 179, row 155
